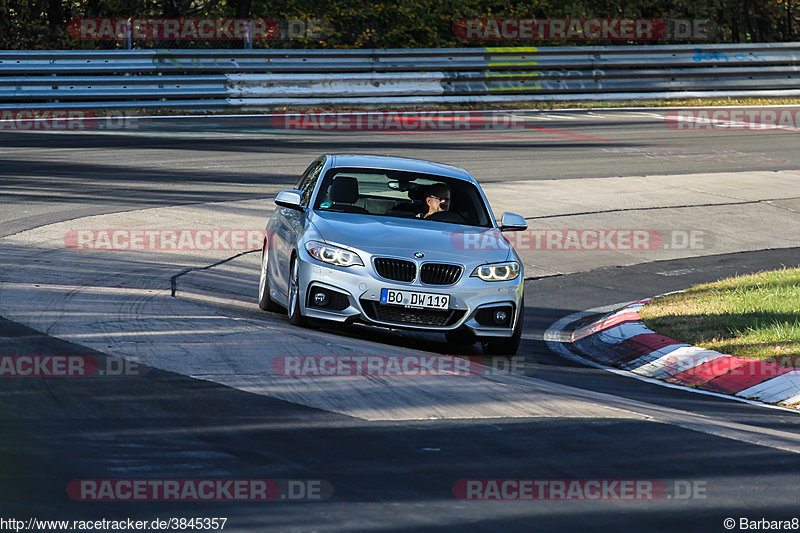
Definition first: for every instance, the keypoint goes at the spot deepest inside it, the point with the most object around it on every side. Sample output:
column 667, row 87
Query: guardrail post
column 128, row 36
column 248, row 35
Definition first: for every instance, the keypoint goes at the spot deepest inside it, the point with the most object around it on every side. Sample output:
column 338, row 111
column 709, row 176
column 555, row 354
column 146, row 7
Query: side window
column 308, row 170
column 308, row 182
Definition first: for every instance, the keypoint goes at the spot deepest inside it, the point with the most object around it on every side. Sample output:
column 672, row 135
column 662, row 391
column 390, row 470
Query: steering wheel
column 447, row 216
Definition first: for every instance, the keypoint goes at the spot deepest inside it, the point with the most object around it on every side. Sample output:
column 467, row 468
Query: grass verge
column 543, row 106
column 755, row 316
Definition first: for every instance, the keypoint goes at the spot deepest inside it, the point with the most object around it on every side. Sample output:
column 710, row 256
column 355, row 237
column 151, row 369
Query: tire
column 293, row 309
column 505, row 346
column 265, row 302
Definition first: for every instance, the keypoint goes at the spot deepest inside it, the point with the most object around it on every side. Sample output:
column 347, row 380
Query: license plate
column 424, row 300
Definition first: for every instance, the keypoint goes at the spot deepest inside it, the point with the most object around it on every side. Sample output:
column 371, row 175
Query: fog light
column 500, row 317
column 320, row 299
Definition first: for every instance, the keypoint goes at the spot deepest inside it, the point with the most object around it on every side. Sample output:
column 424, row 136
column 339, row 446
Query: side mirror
column 289, row 199
column 512, row 222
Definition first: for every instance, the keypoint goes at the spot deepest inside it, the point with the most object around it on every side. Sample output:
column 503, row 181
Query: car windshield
column 402, row 194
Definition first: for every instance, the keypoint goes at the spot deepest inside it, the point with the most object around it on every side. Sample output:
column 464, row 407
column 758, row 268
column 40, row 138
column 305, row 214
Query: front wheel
column 293, row 310
column 265, row 303
column 505, row 346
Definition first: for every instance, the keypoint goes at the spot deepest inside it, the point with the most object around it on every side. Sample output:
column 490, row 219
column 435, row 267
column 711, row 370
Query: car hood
column 402, row 237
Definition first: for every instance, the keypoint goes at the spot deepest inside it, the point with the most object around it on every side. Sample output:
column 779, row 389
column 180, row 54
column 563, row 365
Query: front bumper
column 362, row 288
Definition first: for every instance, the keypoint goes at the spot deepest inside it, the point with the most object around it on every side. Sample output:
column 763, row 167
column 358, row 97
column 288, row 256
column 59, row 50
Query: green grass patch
column 755, row 316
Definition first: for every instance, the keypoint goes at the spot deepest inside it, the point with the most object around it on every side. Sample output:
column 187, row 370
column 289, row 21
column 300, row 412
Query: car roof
column 398, row 163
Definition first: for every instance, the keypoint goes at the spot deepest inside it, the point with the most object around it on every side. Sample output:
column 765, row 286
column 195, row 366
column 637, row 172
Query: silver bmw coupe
column 397, row 243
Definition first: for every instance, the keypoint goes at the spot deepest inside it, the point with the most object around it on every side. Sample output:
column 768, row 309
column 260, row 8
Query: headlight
column 497, row 271
column 333, row 254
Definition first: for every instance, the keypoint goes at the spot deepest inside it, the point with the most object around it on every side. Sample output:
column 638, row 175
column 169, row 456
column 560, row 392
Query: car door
column 289, row 226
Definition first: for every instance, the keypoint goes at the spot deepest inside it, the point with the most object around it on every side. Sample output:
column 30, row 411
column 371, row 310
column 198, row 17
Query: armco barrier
column 215, row 79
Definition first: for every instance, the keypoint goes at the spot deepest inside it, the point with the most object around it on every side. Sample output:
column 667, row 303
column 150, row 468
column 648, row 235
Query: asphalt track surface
column 391, row 475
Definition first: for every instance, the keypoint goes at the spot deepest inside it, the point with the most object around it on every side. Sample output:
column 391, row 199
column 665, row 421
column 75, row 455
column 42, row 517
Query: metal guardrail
column 216, row 79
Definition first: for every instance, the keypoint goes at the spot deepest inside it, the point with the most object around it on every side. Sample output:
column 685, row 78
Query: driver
column 437, row 199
